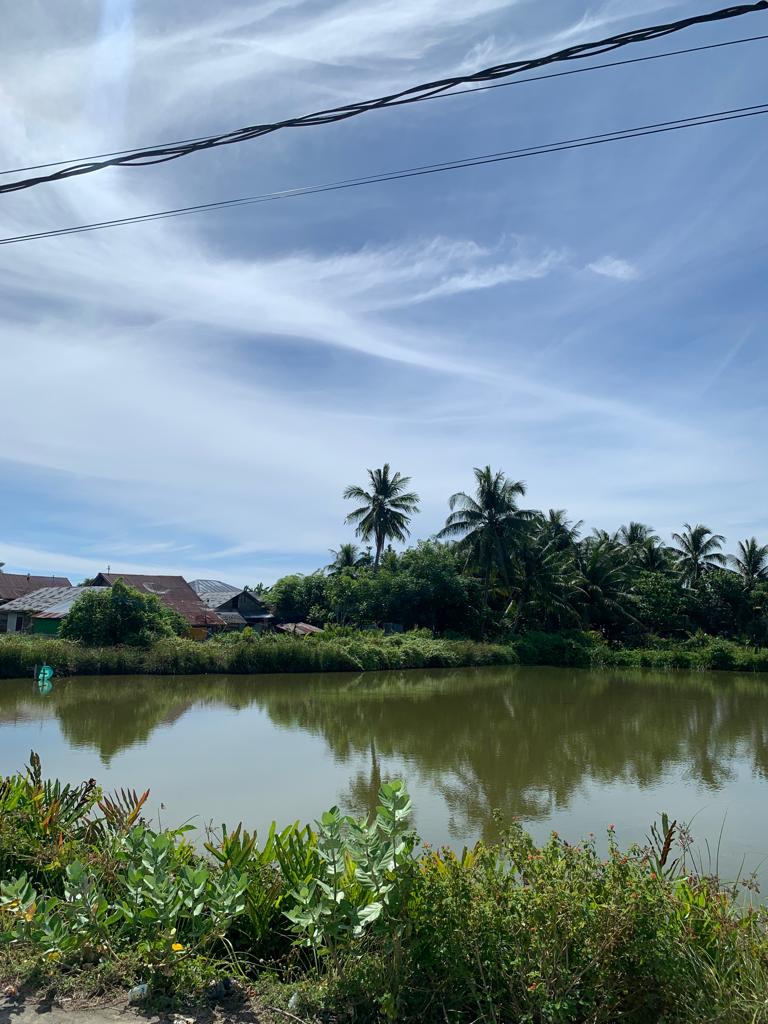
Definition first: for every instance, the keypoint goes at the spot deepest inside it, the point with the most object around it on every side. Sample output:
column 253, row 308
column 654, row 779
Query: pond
column 561, row 749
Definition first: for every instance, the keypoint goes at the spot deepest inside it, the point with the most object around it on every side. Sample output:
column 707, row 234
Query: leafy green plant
column 359, row 863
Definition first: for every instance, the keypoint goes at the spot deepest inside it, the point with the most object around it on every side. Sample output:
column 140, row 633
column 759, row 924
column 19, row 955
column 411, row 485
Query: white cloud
column 612, row 266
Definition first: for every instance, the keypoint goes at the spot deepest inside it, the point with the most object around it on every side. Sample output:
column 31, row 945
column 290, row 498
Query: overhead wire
column 657, row 128
column 438, row 96
column 413, row 94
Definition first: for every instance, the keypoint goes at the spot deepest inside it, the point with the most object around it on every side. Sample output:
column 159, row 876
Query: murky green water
column 560, row 748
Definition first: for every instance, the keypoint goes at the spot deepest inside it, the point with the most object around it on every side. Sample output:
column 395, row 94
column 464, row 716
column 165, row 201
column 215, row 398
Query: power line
column 658, row 128
column 414, row 94
column 438, row 96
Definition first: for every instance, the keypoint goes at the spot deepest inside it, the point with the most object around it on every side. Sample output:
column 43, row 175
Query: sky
column 193, row 395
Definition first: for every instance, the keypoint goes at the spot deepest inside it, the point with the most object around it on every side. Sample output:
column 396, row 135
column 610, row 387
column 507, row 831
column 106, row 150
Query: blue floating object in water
column 44, row 676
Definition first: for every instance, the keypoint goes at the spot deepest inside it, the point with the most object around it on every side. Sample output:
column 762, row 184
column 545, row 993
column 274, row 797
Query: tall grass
column 271, row 653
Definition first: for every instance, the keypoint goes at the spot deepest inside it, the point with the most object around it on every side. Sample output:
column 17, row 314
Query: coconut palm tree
column 602, row 581
column 751, row 563
column 634, row 535
column 386, row 509
column 489, row 526
column 697, row 550
column 557, row 528
column 347, row 556
column 546, row 592
column 652, row 556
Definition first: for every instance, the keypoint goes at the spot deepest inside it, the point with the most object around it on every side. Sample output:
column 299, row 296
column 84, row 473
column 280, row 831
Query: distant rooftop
column 13, row 585
column 39, row 600
column 214, row 593
column 173, row 591
column 63, row 606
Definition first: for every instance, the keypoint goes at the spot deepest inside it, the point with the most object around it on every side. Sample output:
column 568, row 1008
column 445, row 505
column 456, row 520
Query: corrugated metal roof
column 61, row 608
column 13, row 585
column 38, row 600
column 173, row 591
column 298, row 628
column 202, row 587
column 232, row 618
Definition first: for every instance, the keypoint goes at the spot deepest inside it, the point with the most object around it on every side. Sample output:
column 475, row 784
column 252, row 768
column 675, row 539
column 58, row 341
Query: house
column 18, row 585
column 238, row 607
column 20, row 614
column 13, row 585
column 175, row 593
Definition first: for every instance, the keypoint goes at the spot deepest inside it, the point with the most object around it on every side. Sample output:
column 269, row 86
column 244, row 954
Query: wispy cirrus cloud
column 612, row 266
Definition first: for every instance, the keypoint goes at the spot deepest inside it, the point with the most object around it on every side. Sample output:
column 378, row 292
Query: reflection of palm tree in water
column 362, row 796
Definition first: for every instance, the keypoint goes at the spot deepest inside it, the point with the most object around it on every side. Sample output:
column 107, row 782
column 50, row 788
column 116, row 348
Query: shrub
column 120, row 615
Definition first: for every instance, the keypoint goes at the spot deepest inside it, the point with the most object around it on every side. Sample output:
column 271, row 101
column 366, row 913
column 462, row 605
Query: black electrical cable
column 437, row 96
column 414, row 94
column 411, row 172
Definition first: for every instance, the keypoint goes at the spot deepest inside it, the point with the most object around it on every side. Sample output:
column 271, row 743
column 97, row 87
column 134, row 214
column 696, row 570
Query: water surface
column 562, row 749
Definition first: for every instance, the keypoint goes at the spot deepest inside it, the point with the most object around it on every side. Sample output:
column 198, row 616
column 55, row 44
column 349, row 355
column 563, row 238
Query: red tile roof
column 173, row 591
column 13, row 585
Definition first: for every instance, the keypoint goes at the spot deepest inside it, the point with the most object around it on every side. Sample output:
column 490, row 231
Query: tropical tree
column 546, row 593
column 603, row 583
column 346, row 556
column 751, row 563
column 652, row 556
column 635, row 535
column 489, row 526
column 557, row 528
column 386, row 509
column 696, row 550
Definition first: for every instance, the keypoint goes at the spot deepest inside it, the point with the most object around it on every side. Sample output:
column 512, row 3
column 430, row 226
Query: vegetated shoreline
column 350, row 651
column 351, row 920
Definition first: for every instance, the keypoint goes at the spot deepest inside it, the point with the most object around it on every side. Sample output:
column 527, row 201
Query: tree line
column 497, row 568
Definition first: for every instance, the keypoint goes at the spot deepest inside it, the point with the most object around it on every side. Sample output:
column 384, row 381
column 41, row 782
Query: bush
column 120, row 615
column 513, row 931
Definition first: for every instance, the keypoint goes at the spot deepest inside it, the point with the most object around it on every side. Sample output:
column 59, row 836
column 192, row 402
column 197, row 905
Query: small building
column 237, row 607
column 19, row 614
column 47, row 621
column 19, row 585
column 175, row 593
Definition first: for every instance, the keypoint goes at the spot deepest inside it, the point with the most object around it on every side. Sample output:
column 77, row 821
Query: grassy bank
column 588, row 650
column 270, row 653
column 353, row 920
column 356, row 652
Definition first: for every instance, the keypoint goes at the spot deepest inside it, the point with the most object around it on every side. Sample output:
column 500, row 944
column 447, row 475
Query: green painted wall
column 46, row 627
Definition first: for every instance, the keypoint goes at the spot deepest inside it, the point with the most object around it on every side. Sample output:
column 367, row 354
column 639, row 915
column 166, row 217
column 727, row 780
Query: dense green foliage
column 120, row 615
column 498, row 571
column 360, row 924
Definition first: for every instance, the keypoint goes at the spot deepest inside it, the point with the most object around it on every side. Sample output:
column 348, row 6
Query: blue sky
column 193, row 395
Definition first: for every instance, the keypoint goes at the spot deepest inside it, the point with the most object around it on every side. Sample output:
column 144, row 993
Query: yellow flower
column 177, row 947
column 54, row 955
column 29, row 913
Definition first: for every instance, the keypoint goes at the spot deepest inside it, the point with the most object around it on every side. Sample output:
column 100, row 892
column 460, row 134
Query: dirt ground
column 25, row 1011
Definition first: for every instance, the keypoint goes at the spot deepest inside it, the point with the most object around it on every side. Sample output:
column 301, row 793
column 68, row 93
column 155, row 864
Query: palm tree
column 697, row 550
column 489, row 526
column 652, row 556
column 557, row 528
column 634, row 535
column 386, row 509
column 346, row 557
column 603, row 583
column 751, row 563
column 546, row 593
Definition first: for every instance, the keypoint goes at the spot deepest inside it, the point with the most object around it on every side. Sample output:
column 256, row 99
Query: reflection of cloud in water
column 523, row 741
